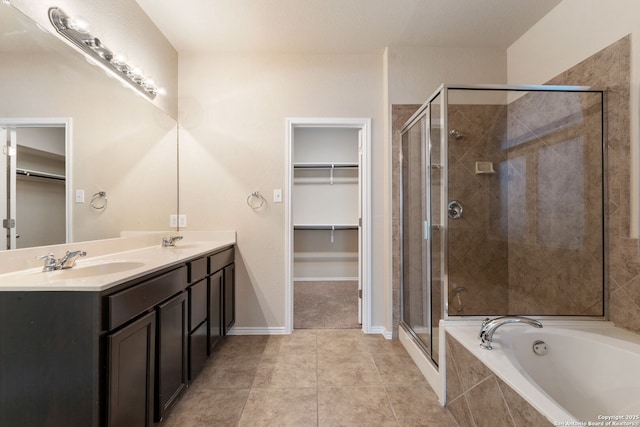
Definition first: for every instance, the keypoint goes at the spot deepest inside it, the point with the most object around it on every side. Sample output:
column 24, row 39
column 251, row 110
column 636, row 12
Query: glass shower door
column 417, row 297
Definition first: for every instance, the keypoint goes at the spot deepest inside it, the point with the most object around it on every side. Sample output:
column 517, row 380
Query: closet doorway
column 34, row 180
column 328, row 224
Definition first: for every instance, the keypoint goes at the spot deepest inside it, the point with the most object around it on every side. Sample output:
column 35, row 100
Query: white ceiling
column 341, row 26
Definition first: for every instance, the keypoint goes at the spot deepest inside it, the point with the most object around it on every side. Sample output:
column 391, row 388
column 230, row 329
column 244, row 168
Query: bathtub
column 590, row 372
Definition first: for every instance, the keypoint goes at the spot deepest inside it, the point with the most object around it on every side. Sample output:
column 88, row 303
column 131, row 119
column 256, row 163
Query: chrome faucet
column 170, row 241
column 489, row 327
column 67, row 261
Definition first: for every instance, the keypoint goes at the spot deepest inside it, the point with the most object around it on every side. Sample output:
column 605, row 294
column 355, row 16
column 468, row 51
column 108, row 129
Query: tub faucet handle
column 483, row 327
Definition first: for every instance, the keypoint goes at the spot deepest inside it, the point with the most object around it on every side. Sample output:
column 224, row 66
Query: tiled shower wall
column 477, row 251
column 608, row 69
column 553, row 189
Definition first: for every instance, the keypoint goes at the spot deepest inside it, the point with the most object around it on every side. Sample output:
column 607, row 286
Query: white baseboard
column 280, row 330
column 248, row 330
column 382, row 331
column 324, row 279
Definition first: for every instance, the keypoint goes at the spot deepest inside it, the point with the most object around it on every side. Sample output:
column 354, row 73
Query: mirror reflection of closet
column 34, row 173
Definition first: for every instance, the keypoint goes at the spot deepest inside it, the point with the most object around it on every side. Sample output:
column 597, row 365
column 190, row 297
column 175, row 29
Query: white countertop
column 106, row 270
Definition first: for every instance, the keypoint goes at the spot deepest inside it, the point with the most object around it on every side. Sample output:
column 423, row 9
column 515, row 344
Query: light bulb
column 79, row 24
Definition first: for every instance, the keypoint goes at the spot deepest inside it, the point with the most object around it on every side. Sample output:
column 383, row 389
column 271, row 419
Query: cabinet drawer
column 197, row 269
column 197, row 304
column 124, row 306
column 220, row 260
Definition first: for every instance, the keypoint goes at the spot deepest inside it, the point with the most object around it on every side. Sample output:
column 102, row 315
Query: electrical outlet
column 173, row 221
column 182, row 220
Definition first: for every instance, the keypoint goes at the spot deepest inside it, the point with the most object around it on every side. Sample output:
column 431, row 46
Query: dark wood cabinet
column 171, row 352
column 131, row 354
column 229, row 295
column 198, row 315
column 215, row 308
column 118, row 357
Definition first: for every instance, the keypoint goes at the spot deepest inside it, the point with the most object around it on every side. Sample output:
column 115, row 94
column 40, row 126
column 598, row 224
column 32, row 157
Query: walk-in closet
column 326, row 210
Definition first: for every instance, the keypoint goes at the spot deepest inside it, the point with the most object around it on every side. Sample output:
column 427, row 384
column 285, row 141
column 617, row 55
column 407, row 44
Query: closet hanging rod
column 38, row 174
column 324, row 165
column 325, row 227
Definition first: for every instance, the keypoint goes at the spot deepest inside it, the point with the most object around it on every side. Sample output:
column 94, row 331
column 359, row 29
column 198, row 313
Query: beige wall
column 416, row 72
column 232, row 142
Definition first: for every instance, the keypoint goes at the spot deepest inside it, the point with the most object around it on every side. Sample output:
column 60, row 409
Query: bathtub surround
column 476, row 397
column 567, row 372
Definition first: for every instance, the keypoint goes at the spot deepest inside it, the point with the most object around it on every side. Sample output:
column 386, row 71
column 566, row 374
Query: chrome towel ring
column 95, row 200
column 255, row 200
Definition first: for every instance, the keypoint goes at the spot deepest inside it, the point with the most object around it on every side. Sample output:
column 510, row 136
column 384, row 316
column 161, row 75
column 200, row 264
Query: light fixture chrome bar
column 93, row 47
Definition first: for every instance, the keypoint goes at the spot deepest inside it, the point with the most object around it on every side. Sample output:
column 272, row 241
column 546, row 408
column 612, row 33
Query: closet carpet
column 312, row 377
column 325, row 304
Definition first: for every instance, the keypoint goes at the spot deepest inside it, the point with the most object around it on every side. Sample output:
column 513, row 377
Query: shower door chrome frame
column 427, row 229
column 444, row 89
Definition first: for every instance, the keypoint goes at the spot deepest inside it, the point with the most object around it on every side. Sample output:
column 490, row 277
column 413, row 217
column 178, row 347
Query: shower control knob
column 454, row 209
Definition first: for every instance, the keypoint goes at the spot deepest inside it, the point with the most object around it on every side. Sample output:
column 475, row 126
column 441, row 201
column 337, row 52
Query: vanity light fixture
column 77, row 32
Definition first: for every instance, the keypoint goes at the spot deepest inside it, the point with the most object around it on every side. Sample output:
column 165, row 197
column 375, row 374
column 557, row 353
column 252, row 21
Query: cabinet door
column 172, row 352
column 229, row 296
column 215, row 308
column 131, row 353
column 197, row 350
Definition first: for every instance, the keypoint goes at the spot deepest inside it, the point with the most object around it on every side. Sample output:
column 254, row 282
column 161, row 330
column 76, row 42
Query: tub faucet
column 489, row 327
column 170, row 241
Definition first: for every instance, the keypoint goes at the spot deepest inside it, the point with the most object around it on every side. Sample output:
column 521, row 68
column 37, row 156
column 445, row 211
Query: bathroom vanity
column 114, row 340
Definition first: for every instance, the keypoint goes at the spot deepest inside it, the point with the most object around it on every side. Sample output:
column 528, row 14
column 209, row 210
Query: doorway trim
column 66, row 123
column 364, row 125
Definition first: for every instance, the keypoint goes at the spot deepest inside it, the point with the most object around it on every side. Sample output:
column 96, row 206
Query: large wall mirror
column 70, row 132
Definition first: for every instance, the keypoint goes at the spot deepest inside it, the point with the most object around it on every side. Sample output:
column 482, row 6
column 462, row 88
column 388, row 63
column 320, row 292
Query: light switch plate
column 277, row 195
column 182, row 220
column 173, row 221
column 79, row 196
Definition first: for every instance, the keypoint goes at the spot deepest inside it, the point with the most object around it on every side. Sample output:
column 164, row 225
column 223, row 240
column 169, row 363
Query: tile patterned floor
column 325, row 377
